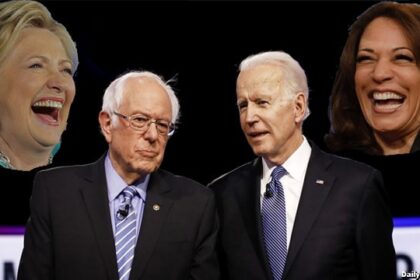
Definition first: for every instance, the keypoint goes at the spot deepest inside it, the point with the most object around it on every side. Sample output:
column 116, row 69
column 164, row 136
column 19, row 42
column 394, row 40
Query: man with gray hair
column 296, row 212
column 122, row 217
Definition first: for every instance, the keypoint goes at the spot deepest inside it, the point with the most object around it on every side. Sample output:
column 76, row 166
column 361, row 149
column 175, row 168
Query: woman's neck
column 22, row 158
column 392, row 145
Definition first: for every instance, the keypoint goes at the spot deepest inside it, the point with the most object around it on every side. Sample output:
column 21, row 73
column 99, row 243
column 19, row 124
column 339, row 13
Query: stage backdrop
column 406, row 240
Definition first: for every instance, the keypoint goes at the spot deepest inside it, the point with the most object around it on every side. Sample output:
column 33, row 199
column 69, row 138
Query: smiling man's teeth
column 386, row 96
column 48, row 103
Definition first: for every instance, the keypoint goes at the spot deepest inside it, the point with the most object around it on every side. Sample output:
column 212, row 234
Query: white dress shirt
column 292, row 182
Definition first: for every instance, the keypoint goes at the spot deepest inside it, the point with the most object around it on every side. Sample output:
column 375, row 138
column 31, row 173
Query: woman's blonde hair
column 17, row 15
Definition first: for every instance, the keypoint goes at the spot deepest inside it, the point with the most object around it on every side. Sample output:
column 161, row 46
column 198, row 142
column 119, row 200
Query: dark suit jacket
column 342, row 228
column 69, row 234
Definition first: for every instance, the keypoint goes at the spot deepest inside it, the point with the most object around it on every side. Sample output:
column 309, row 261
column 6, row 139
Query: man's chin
column 146, row 167
column 259, row 150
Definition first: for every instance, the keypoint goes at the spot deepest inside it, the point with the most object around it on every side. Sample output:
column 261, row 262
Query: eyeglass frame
column 129, row 119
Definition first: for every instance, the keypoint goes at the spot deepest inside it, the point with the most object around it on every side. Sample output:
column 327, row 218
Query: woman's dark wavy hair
column 349, row 130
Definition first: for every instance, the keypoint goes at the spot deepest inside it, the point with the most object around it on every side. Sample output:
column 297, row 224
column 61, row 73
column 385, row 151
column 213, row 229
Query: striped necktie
column 274, row 223
column 125, row 233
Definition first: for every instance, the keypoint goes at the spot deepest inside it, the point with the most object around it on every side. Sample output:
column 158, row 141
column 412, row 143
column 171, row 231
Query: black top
column 401, row 176
column 416, row 145
column 15, row 193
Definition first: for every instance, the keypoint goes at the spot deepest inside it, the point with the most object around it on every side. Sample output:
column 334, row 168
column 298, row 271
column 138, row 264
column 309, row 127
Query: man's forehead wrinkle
column 268, row 81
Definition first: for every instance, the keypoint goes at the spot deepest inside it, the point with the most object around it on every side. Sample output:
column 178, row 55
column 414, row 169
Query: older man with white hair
column 296, row 212
column 122, row 217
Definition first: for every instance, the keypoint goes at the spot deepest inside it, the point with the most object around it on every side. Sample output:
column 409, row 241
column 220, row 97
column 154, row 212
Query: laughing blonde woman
column 37, row 61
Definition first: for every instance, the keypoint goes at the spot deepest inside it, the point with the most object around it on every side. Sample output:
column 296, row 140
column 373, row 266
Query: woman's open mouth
column 47, row 110
column 387, row 102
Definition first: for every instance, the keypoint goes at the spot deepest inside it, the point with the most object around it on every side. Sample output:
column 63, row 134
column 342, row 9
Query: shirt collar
column 293, row 164
column 116, row 184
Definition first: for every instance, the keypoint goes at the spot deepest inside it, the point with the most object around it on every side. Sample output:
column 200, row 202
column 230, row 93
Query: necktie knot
column 278, row 173
column 128, row 194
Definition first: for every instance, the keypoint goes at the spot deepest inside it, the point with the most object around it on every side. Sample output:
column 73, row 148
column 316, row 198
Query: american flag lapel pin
column 319, row 182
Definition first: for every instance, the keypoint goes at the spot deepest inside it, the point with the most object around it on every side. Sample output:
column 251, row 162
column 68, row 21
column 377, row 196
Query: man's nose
column 251, row 114
column 151, row 133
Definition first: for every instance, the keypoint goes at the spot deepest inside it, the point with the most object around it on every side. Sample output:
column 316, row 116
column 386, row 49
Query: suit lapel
column 95, row 197
column 316, row 187
column 248, row 196
column 156, row 211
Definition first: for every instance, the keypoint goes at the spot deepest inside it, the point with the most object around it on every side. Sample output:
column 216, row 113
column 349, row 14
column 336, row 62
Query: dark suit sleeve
column 36, row 261
column 376, row 252
column 205, row 263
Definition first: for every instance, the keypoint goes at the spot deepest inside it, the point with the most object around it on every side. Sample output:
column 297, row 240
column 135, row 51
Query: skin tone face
column 36, row 92
column 135, row 154
column 270, row 119
column 387, row 82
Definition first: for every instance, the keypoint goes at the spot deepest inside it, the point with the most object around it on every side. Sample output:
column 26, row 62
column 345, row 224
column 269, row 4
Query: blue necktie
column 274, row 223
column 125, row 233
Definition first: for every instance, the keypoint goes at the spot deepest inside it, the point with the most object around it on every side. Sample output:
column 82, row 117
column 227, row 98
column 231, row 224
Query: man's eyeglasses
column 141, row 123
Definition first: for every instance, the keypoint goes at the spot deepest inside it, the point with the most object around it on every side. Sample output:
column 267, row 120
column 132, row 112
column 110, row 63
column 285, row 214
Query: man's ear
column 299, row 107
column 105, row 122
